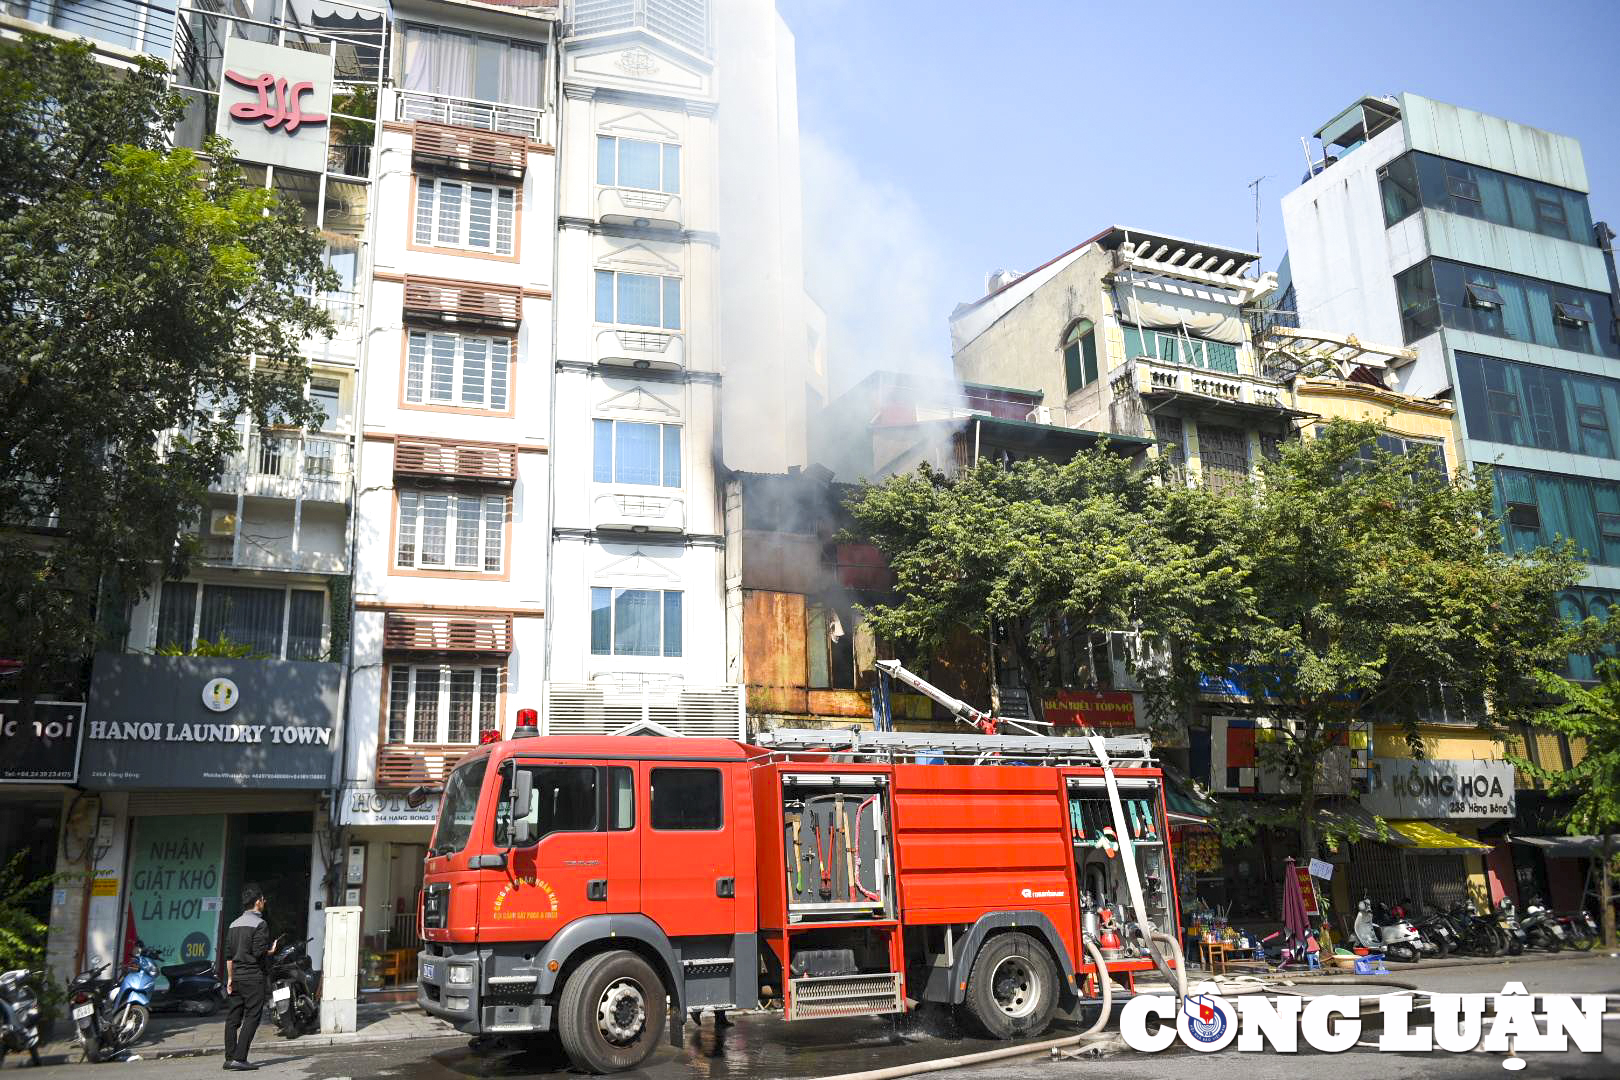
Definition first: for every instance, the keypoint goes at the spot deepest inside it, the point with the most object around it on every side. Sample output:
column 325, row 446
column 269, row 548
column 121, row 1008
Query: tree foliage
column 149, row 301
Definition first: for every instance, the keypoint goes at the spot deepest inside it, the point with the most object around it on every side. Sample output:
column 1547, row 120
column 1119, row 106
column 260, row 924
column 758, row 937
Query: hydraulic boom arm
column 985, row 722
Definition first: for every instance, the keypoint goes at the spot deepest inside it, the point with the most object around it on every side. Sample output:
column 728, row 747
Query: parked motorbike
column 294, row 995
column 19, row 1014
column 1541, row 930
column 111, row 1014
column 1507, row 917
column 1395, row 938
column 1580, row 930
column 194, row 988
column 1481, row 936
column 1434, row 929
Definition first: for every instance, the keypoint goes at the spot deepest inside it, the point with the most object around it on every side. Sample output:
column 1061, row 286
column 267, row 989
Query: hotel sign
column 275, row 103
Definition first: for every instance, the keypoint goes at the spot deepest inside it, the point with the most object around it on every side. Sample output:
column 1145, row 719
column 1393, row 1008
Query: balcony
column 486, row 462
column 1147, row 377
column 658, row 350
column 462, row 303
column 313, row 468
column 343, row 347
column 638, row 513
column 621, row 702
column 405, row 766
column 634, row 206
column 468, row 113
column 446, row 632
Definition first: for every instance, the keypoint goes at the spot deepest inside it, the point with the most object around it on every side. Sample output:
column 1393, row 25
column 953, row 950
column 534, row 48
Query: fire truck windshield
column 459, row 808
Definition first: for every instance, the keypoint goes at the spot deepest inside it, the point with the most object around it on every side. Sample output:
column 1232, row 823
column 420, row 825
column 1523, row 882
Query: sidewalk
column 190, row 1036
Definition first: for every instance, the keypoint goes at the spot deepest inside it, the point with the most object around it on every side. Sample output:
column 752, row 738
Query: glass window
column 325, row 393
column 453, row 64
column 457, row 214
column 177, row 610
column 635, row 622
column 441, row 705
column 687, row 799
column 638, row 299
column 457, row 370
column 306, row 613
column 562, row 799
column 1180, row 347
column 621, row 798
column 1398, row 185
column 243, row 616
column 1515, row 202
column 459, row 808
column 1420, row 309
column 1539, row 508
column 635, row 453
column 450, row 531
column 1529, row 405
column 1505, row 305
column 637, row 163
column 1080, row 356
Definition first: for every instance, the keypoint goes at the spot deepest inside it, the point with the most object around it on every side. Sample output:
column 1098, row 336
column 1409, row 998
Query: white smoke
column 873, row 262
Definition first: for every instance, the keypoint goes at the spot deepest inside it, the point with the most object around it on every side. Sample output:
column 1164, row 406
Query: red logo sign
column 286, row 109
column 1091, row 708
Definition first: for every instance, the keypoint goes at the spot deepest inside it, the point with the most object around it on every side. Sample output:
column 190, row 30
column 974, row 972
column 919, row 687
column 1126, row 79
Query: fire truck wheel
column 611, row 1012
column 1013, row 989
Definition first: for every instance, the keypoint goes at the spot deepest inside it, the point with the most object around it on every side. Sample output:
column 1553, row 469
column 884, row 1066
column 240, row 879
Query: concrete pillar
column 340, row 975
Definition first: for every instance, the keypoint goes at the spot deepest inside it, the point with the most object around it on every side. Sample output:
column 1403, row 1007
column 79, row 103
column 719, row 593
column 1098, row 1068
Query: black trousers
column 246, row 1006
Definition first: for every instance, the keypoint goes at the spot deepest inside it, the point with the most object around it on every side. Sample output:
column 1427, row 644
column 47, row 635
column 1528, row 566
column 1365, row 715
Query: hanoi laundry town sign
column 1405, row 788
column 274, row 104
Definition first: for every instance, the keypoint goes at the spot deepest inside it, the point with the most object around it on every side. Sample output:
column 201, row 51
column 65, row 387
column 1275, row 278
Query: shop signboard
column 1307, row 890
column 175, row 876
column 1100, row 709
column 1407, row 788
column 274, row 104
column 44, row 750
column 157, row 722
column 368, row 806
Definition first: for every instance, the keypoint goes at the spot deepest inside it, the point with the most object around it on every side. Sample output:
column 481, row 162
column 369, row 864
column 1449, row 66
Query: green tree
column 1590, row 714
column 1041, row 558
column 149, row 301
column 1378, row 580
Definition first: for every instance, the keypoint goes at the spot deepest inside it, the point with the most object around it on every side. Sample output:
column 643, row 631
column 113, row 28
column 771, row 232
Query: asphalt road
column 763, row 1046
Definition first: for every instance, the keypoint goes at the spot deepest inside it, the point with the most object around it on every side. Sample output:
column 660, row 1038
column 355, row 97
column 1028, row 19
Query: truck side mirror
column 519, row 830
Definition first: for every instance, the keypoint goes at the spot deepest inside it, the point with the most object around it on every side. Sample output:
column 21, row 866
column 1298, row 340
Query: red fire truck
column 600, row 888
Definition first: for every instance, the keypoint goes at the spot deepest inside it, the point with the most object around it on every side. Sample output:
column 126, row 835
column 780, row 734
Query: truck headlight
column 460, row 975
column 458, row 1003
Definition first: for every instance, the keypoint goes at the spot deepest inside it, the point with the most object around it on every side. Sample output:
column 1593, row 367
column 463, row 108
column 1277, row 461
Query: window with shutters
column 1224, row 454
column 460, row 532
column 443, row 704
column 459, row 371
column 459, row 214
column 1079, row 355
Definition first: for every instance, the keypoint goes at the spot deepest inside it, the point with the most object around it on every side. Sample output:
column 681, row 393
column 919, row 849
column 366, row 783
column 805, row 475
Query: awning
column 1431, row 837
column 1566, row 847
column 1181, row 802
column 1348, row 816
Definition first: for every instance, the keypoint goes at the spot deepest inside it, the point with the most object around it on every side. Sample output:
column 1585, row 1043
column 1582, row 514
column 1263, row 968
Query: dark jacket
column 247, row 945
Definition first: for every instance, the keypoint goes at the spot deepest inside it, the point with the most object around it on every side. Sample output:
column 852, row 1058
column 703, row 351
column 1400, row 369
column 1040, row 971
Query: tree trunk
column 1606, row 889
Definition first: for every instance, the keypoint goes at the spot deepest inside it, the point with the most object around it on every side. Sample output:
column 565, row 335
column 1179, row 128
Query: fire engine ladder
column 986, row 723
column 1133, row 751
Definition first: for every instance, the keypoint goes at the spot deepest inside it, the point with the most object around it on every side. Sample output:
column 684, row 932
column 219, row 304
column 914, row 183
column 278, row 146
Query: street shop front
column 385, row 845
column 209, row 774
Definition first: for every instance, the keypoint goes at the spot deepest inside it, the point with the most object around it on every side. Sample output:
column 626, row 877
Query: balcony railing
column 625, row 511
column 468, row 113
column 458, row 302
column 487, row 462
column 1146, row 376
column 654, row 349
column 446, row 632
column 407, row 765
column 439, row 146
column 290, row 466
column 633, row 206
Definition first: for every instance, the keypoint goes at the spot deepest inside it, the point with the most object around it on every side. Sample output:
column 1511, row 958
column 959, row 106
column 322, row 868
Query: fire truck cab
column 599, row 888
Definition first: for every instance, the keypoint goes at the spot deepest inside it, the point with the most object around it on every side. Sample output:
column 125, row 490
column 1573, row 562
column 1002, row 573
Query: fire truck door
column 688, row 857
column 626, row 813
column 563, row 874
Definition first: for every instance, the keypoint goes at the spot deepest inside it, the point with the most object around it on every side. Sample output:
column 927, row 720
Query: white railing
column 684, row 22
column 294, row 465
column 638, row 511
column 468, row 113
column 635, row 206
column 617, row 703
column 659, row 349
column 1145, row 375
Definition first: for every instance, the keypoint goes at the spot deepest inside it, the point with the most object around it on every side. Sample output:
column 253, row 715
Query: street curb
column 315, row 1042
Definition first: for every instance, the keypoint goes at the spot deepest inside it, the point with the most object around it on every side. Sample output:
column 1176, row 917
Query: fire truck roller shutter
column 588, row 935
column 967, row 950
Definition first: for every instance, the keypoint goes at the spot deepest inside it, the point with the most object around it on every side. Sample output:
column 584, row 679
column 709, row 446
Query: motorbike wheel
column 1552, row 942
column 1582, row 942
column 1442, row 946
column 1403, row 952
column 1515, row 946
column 132, row 1028
column 1503, row 941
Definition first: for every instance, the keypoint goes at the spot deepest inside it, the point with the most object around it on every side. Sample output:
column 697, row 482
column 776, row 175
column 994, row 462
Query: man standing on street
column 247, row 961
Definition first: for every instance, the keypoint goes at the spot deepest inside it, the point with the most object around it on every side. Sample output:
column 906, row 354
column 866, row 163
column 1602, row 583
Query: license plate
column 429, row 971
column 84, row 1012
column 282, row 993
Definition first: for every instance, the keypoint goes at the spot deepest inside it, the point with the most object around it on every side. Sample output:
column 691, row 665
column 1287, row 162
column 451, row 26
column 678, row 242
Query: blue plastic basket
column 1371, row 965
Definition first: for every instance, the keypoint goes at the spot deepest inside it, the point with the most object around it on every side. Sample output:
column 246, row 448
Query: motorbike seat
column 181, row 971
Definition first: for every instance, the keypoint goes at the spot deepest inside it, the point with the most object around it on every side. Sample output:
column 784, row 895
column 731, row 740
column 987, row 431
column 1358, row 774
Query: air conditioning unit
column 221, row 523
column 1040, row 414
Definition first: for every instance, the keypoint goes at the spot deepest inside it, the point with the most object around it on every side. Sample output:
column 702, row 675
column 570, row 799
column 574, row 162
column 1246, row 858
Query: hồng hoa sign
column 274, row 104
column 1439, row 788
